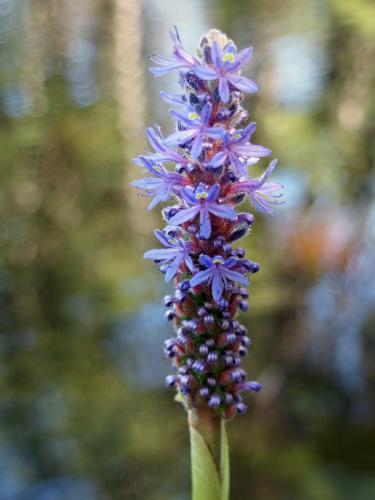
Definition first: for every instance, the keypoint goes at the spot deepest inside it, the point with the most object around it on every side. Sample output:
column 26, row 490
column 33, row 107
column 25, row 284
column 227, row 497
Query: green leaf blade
column 205, row 476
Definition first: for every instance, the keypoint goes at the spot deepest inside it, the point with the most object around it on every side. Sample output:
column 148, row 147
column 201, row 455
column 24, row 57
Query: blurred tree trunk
column 129, row 68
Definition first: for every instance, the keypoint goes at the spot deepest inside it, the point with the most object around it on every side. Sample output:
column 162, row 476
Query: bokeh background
column 84, row 413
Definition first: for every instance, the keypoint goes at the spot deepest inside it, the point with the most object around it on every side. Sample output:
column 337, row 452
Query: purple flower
column 162, row 187
column 173, row 256
column 181, row 58
column 217, row 274
column 238, row 149
column 163, row 152
column 198, row 129
column 262, row 194
column 226, row 64
column 203, row 202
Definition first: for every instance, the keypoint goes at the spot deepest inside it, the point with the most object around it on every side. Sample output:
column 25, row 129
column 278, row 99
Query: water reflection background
column 84, row 413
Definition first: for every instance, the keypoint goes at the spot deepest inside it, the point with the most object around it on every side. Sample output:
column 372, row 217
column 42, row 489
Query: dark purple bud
column 208, row 319
column 214, row 401
column 225, row 325
column 198, row 366
column 212, row 357
column 168, row 300
column 170, row 380
column 242, row 351
column 169, row 315
column 180, row 169
column 203, row 350
column 250, row 266
column 239, row 233
column 231, row 338
column 230, row 177
column 194, row 82
column 227, row 248
column 183, row 369
column 192, row 229
column 201, row 311
column 184, row 285
column 204, row 392
column 191, row 325
column 236, row 376
column 180, row 296
column 238, row 198
column 194, row 101
column 252, row 385
column 169, row 344
column 228, row 398
column 211, row 382
column 173, row 231
column 241, row 408
column 186, row 381
column 245, row 218
column 169, row 353
column 210, row 343
column 228, row 360
column 236, row 361
column 235, row 324
column 245, row 341
column 190, row 167
column 226, row 314
column 244, row 293
column 207, row 55
column 208, row 306
column 241, row 330
column 169, row 212
column 243, row 305
column 239, row 252
column 233, row 108
column 223, row 115
column 223, row 304
column 182, row 339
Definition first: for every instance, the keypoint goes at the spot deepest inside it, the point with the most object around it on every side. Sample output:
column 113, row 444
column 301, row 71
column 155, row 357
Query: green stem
column 209, row 456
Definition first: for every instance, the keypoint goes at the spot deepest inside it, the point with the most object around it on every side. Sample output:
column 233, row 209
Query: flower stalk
column 204, row 166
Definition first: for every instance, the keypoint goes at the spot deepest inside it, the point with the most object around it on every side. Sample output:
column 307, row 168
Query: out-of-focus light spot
column 6, row 7
column 63, row 488
column 350, row 115
column 16, row 102
column 294, row 188
column 299, row 71
column 139, row 337
column 79, row 71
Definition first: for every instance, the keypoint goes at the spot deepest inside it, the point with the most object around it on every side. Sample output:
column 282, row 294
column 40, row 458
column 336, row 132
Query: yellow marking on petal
column 202, row 195
column 193, row 116
column 218, row 261
column 237, row 136
column 228, row 57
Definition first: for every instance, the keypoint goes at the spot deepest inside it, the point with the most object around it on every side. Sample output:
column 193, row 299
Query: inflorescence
column 204, row 166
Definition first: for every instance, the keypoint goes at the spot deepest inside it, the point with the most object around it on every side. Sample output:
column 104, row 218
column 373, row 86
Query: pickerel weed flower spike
column 204, row 165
